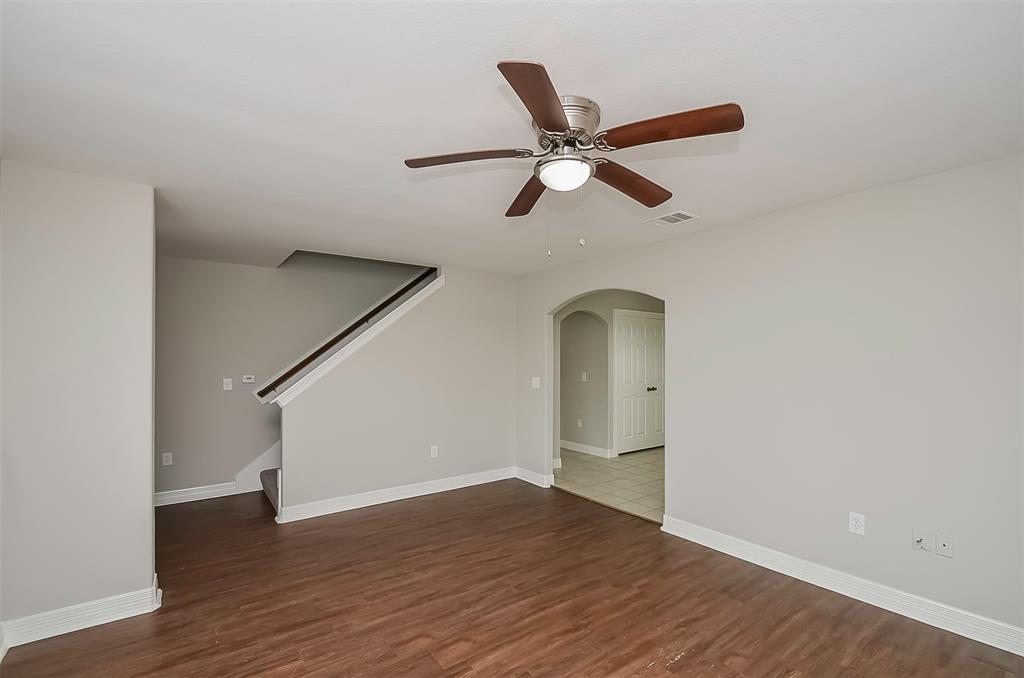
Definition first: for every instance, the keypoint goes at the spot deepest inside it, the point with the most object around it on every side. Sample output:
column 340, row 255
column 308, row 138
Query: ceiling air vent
column 671, row 219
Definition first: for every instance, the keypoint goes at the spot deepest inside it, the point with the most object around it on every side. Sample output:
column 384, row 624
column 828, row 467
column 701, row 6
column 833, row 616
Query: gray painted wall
column 1, row 409
column 584, row 349
column 441, row 375
column 862, row 353
column 77, row 285
column 217, row 320
column 601, row 304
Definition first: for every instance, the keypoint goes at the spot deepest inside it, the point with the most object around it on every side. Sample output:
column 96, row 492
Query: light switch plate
column 583, row 377
column 248, row 378
column 944, row 545
column 433, row 451
column 228, row 384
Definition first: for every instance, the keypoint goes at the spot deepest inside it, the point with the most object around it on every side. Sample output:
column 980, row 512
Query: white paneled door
column 639, row 380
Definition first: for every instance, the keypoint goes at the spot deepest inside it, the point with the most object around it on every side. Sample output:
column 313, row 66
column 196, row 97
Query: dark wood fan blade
column 703, row 121
column 467, row 156
column 632, row 184
column 527, row 198
column 532, row 84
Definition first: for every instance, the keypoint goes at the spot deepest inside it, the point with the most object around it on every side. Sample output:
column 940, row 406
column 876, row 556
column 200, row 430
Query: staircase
column 271, row 486
column 290, row 376
column 290, row 381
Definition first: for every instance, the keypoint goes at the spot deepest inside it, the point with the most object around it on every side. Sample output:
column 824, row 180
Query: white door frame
column 618, row 313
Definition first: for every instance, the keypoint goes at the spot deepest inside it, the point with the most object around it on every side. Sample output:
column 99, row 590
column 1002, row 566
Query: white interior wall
column 443, row 375
column 77, row 320
column 216, row 320
column 862, row 354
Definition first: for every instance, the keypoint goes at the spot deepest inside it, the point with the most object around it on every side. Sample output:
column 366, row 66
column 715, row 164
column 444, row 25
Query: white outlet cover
column 167, row 458
column 535, row 382
column 579, row 423
column 228, row 384
column 923, row 540
column 944, row 545
column 857, row 523
column 583, row 376
column 248, row 378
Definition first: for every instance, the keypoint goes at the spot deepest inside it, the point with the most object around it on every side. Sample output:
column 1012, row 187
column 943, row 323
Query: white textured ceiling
column 272, row 127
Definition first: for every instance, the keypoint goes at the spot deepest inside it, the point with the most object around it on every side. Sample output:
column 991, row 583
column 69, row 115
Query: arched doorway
column 608, row 400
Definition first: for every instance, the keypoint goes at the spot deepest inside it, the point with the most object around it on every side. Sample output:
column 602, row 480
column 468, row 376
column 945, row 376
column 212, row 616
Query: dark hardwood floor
column 504, row 579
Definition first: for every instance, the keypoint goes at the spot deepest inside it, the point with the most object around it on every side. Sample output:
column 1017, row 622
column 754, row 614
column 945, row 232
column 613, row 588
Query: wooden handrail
column 340, row 336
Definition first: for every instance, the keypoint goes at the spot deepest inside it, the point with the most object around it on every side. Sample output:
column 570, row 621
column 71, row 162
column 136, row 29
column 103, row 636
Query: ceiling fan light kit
column 567, row 170
column 566, row 128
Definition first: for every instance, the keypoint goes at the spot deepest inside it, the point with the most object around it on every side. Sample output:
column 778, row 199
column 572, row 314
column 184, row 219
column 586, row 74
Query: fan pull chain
column 582, row 242
column 547, row 232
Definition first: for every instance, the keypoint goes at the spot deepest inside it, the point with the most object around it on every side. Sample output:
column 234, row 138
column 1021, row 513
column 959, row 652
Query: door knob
column 652, row 388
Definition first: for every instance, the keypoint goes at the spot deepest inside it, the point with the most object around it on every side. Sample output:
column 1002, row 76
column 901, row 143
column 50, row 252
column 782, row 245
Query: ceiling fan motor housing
column 584, row 116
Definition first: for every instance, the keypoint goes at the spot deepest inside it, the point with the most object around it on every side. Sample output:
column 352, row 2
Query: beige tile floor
column 634, row 482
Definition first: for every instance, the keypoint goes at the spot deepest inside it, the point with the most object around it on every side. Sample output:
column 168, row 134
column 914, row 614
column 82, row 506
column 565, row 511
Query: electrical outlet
column 583, row 376
column 433, row 451
column 579, row 423
column 856, row 523
column 228, row 384
column 535, row 382
column 248, row 378
column 944, row 545
column 167, row 458
column 924, row 540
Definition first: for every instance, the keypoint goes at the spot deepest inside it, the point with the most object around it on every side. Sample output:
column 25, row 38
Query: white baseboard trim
column 324, row 507
column 974, row 626
column 83, row 615
column 246, row 480
column 534, row 478
column 556, row 463
column 588, row 449
column 194, row 494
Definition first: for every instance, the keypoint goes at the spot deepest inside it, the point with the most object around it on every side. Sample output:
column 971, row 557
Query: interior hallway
column 634, row 482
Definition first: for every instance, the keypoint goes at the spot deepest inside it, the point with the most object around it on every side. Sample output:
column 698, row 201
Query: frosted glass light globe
column 566, row 173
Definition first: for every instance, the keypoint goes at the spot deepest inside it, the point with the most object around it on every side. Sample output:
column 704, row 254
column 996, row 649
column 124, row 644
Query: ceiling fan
column 566, row 127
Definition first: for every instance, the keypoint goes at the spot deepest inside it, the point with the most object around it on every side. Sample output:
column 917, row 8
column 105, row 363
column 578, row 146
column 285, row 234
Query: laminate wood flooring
column 502, row 579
